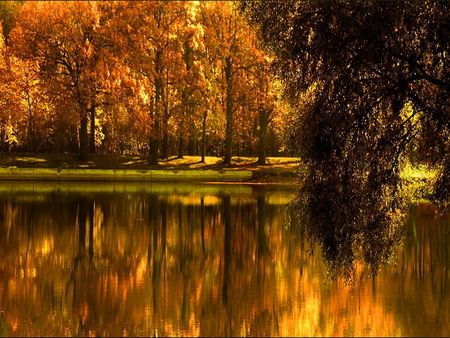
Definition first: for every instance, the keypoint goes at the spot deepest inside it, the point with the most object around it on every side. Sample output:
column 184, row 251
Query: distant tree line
column 147, row 77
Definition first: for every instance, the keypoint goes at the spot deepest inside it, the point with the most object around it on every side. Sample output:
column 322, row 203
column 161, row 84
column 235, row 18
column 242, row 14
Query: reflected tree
column 263, row 246
column 83, row 207
column 227, row 248
column 202, row 222
column 364, row 98
column 134, row 283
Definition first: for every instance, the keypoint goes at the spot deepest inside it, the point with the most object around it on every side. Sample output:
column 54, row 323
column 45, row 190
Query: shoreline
column 241, row 176
column 157, row 175
column 126, row 168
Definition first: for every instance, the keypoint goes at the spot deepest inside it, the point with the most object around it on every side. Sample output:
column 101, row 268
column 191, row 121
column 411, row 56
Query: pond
column 162, row 259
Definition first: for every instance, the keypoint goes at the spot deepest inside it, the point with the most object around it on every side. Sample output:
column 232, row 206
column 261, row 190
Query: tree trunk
column 180, row 146
column 264, row 119
column 229, row 114
column 31, row 131
column 92, row 135
column 165, row 143
column 191, row 145
column 165, row 135
column 84, row 139
column 31, row 134
column 205, row 113
column 154, row 149
column 2, row 139
column 156, row 133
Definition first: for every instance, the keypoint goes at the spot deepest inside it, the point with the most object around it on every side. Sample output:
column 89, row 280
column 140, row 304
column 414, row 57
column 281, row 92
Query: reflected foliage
column 138, row 261
column 349, row 225
column 368, row 100
column 200, row 260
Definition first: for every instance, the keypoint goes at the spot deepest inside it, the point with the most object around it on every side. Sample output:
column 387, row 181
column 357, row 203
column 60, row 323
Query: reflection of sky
column 156, row 263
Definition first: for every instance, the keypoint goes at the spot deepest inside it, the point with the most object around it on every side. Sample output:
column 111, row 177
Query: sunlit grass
column 238, row 162
column 278, row 170
column 31, row 159
column 419, row 171
column 115, row 161
column 134, row 162
column 418, row 181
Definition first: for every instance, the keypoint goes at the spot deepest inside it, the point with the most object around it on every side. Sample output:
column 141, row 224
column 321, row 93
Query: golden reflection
column 46, row 246
column 150, row 264
column 196, row 199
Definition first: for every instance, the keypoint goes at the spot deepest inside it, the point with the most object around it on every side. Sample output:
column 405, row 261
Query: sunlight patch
column 31, row 159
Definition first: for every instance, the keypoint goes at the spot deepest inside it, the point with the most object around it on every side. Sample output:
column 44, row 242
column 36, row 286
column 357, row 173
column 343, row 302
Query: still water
column 140, row 259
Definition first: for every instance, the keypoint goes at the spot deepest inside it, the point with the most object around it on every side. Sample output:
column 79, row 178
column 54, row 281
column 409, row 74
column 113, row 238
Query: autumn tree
column 24, row 106
column 228, row 40
column 6, row 99
column 262, row 105
column 265, row 115
column 362, row 95
column 73, row 53
column 194, row 98
column 8, row 12
column 149, row 35
column 125, row 122
column 33, row 110
column 104, row 76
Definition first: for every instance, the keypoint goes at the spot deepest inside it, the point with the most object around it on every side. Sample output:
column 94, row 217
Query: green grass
column 114, row 161
column 418, row 181
column 277, row 169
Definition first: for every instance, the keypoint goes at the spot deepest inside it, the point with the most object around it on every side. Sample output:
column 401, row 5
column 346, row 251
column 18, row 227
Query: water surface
column 134, row 259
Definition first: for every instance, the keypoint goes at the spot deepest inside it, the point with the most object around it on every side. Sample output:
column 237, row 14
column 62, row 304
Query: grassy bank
column 277, row 169
column 418, row 182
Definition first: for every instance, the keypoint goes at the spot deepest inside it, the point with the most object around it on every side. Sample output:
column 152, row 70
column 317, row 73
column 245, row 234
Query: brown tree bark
column 264, row 116
column 84, row 139
column 92, row 134
column 229, row 114
column 205, row 114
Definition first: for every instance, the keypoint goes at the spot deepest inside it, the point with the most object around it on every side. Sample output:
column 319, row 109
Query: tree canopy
column 370, row 83
column 134, row 77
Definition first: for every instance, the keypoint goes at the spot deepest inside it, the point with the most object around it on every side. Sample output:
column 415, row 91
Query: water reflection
column 199, row 260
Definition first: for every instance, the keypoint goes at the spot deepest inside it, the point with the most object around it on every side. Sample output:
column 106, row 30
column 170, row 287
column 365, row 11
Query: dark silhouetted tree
column 367, row 78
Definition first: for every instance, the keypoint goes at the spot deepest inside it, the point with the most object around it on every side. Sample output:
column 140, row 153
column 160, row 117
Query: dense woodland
column 367, row 84
column 165, row 78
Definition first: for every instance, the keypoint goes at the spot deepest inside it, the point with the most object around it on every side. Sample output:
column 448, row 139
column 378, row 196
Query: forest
column 356, row 104
column 164, row 78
